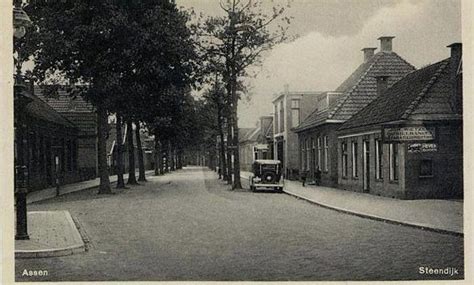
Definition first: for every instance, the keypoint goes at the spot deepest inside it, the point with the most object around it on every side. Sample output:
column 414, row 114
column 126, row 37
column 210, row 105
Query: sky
column 331, row 34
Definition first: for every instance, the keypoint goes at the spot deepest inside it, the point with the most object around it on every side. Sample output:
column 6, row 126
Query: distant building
column 408, row 143
column 318, row 132
column 289, row 110
column 256, row 143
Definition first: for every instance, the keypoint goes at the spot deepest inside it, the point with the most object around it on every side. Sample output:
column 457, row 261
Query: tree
column 240, row 38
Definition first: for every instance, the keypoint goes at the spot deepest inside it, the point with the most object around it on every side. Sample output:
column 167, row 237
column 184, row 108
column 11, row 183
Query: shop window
column 426, row 168
column 354, row 160
column 344, row 158
column 308, row 154
column 319, row 152
column 378, row 159
column 394, row 163
column 326, row 153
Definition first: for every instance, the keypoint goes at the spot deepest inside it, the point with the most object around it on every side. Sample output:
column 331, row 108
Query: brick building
column 82, row 114
column 318, row 132
column 408, row 142
column 289, row 109
column 49, row 144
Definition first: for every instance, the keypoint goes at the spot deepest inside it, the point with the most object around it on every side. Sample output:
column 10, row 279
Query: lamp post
column 21, row 98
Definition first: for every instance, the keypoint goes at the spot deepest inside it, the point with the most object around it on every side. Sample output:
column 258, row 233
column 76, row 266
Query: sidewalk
column 49, row 193
column 436, row 215
column 54, row 233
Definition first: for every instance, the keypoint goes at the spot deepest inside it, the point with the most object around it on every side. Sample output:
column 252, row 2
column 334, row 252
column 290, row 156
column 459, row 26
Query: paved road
column 188, row 226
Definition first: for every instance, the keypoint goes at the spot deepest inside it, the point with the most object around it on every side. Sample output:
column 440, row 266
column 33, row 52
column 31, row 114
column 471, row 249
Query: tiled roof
column 63, row 101
column 40, row 110
column 244, row 133
column 359, row 89
column 424, row 93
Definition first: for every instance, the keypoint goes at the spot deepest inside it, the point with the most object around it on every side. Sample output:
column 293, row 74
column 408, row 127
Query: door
column 366, row 167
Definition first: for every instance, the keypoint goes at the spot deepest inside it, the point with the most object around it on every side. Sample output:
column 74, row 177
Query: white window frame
column 393, row 159
column 344, row 158
column 354, row 153
column 319, row 153
column 326, row 153
column 378, row 159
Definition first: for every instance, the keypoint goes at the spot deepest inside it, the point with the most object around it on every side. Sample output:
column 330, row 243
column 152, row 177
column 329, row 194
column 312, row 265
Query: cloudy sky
column 331, row 34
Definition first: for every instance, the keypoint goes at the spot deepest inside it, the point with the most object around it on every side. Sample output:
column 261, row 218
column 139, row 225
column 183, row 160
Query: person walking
column 303, row 177
column 317, row 176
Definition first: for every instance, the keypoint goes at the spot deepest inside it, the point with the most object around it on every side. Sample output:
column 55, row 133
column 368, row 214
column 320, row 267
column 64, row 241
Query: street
column 188, row 225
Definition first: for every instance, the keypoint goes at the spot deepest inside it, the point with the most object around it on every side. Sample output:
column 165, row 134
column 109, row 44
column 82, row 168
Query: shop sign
column 407, row 134
column 422, row 147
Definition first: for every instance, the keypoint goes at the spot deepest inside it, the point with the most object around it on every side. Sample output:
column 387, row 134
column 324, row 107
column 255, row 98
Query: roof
column 423, row 94
column 360, row 88
column 64, row 101
column 40, row 110
column 244, row 133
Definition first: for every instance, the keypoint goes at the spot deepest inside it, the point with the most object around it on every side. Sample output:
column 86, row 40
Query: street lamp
column 21, row 98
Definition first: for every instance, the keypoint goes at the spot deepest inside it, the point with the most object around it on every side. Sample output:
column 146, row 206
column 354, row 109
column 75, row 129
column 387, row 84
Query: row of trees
column 140, row 59
column 230, row 46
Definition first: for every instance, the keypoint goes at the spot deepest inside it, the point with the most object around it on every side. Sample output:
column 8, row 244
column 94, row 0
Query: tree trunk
column 132, row 179
column 172, row 155
column 237, row 184
column 157, row 156
column 223, row 164
column 102, row 122
column 119, row 152
column 141, row 163
column 229, row 152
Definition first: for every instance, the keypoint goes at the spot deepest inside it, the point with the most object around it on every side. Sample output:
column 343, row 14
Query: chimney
column 456, row 77
column 386, row 43
column 368, row 53
column 286, row 88
column 382, row 84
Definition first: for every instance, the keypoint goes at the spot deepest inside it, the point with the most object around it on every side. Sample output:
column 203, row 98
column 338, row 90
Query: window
column 295, row 112
column 69, row 155
column 295, row 104
column 75, row 150
column 41, row 153
column 295, row 117
column 393, row 161
column 308, row 154
column 319, row 152
column 313, row 153
column 344, row 158
column 426, row 168
column 282, row 117
column 275, row 119
column 378, row 159
column 354, row 160
column 326, row 153
column 302, row 155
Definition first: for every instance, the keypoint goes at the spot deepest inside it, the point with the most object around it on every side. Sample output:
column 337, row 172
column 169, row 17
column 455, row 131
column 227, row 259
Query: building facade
column 408, row 142
column 82, row 114
column 289, row 109
column 318, row 132
column 256, row 143
column 48, row 143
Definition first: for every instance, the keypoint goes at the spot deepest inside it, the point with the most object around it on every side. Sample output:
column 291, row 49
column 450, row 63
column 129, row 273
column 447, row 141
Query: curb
column 55, row 252
column 372, row 217
column 376, row 218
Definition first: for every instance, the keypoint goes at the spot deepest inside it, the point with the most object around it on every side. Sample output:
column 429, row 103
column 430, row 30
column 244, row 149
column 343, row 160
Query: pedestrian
column 303, row 177
column 317, row 176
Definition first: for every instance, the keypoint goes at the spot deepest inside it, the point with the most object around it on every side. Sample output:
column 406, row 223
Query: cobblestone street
column 187, row 225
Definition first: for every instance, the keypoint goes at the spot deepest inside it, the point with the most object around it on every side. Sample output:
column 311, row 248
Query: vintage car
column 266, row 175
